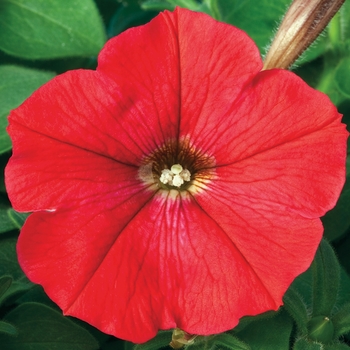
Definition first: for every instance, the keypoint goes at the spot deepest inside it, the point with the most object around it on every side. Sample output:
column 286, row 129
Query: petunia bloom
column 177, row 185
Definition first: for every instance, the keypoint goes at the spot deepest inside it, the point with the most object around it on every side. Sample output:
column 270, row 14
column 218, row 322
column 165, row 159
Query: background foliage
column 42, row 38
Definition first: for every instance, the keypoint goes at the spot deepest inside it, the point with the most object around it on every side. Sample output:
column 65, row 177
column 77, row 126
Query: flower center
column 176, row 176
column 177, row 165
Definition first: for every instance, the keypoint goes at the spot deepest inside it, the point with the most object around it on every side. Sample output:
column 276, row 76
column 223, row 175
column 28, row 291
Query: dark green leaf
column 128, row 346
column 303, row 344
column 337, row 221
column 296, row 307
column 258, row 335
column 339, row 346
column 115, row 344
column 163, row 338
column 326, row 276
column 8, row 258
column 341, row 320
column 41, row 29
column 16, row 84
column 5, row 283
column 128, row 15
column 227, row 341
column 41, row 328
column 321, row 329
column 16, row 290
column 8, row 329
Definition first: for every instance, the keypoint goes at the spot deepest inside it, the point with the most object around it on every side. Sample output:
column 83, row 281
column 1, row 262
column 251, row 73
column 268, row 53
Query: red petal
column 192, row 70
column 282, row 143
column 276, row 244
column 80, row 261
column 71, row 145
column 151, row 266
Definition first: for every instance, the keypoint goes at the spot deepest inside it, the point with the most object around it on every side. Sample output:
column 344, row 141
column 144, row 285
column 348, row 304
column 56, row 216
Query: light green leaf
column 41, row 328
column 342, row 74
column 17, row 218
column 160, row 5
column 157, row 5
column 6, row 224
column 42, row 29
column 16, row 84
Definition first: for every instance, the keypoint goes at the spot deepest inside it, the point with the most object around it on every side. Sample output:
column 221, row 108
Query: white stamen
column 177, row 181
column 176, row 169
column 186, row 175
column 176, row 176
column 166, row 176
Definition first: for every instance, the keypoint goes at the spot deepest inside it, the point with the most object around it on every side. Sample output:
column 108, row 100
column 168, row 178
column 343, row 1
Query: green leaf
column 8, row 258
column 5, row 283
column 321, row 329
column 303, row 344
column 17, row 218
column 296, row 307
column 6, row 224
column 128, row 15
column 10, row 219
column 341, row 320
column 163, row 338
column 260, row 19
column 8, row 329
column 337, row 221
column 16, row 84
column 342, row 73
column 42, row 29
column 227, row 341
column 15, row 292
column 259, row 335
column 326, row 276
column 338, row 346
column 41, row 328
column 157, row 5
column 128, row 346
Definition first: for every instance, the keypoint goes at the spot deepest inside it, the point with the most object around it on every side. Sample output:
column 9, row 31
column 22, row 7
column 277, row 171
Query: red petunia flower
column 175, row 186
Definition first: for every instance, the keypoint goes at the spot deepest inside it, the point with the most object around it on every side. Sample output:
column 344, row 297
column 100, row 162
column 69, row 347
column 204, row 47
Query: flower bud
column 301, row 25
column 321, row 329
column 181, row 338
